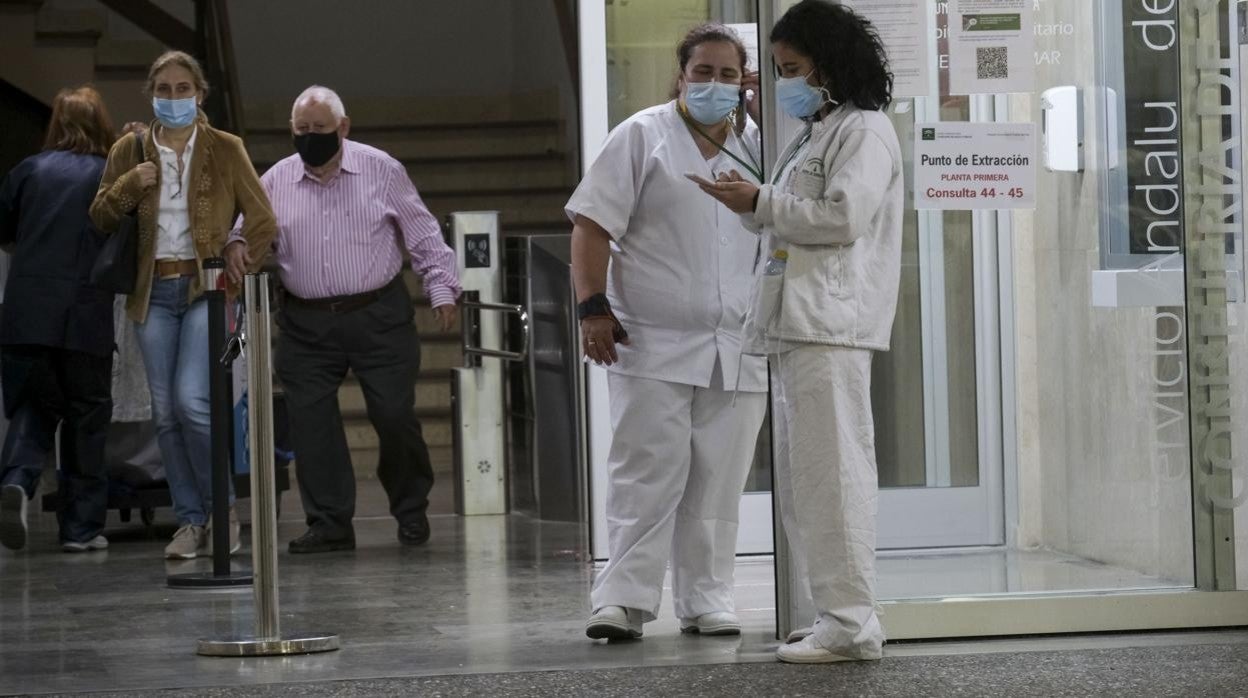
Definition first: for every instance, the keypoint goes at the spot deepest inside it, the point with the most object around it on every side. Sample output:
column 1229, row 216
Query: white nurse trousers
column 826, row 485
column 679, row 459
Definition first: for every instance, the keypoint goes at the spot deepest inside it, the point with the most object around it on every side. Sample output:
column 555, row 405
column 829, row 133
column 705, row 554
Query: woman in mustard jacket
column 185, row 180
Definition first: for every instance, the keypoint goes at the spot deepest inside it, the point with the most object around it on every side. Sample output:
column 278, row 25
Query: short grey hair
column 322, row 95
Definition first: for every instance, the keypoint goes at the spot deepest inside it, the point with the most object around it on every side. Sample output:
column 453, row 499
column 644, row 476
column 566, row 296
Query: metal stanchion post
column 221, row 417
column 268, row 639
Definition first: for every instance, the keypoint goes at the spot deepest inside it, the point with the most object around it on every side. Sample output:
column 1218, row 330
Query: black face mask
column 316, row 149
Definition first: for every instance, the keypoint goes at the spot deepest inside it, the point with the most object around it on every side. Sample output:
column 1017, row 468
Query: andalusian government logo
column 929, row 134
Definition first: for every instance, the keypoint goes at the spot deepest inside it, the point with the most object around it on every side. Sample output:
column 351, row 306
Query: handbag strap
column 139, row 156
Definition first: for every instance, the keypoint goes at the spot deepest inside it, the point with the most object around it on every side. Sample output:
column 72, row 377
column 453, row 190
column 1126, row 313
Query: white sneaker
column 186, row 543
column 809, row 651
column 614, row 623
column 798, row 635
column 13, row 503
column 715, row 623
column 97, row 543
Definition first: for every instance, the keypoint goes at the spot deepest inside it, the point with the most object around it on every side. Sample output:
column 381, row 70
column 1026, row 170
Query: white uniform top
column 681, row 263
column 173, row 220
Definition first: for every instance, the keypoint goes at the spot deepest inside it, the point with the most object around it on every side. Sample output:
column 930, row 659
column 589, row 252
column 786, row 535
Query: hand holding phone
column 750, row 102
column 698, row 179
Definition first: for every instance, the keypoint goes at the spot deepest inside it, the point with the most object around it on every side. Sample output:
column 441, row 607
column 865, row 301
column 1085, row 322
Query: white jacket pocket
column 762, row 312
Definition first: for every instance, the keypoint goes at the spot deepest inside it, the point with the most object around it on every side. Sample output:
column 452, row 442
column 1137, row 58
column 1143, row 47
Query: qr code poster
column 991, row 46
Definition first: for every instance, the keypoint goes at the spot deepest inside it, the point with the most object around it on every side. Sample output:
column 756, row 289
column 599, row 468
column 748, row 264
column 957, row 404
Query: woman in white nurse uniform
column 831, row 223
column 662, row 274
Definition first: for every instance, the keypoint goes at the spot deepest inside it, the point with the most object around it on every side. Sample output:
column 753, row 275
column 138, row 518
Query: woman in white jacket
column 823, row 302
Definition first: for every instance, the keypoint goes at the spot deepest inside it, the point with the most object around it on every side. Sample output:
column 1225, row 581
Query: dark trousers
column 44, row 387
column 379, row 344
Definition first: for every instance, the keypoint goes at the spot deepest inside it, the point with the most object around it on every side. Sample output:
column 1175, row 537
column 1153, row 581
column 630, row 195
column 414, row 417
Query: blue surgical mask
column 797, row 98
column 709, row 102
column 175, row 113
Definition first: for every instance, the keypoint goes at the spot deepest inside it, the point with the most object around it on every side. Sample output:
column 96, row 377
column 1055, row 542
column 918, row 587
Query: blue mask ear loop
column 827, row 99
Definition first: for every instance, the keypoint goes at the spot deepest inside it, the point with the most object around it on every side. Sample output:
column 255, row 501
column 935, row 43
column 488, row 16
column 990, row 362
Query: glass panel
column 1212, row 185
column 934, row 369
column 1097, row 390
column 897, row 375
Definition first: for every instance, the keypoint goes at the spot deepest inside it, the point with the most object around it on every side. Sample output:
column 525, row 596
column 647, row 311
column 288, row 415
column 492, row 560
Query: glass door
column 1054, row 435
column 1078, row 353
column 936, row 394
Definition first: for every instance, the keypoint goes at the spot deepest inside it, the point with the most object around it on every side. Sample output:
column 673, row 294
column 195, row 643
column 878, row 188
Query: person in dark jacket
column 56, row 330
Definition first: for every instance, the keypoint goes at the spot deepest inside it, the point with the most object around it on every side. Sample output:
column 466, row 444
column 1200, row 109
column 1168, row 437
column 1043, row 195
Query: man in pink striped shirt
column 345, row 213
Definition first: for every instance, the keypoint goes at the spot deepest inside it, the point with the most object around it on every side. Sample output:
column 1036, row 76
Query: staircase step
column 121, row 74
column 516, row 205
column 39, row 71
column 427, row 375
column 59, row 26
column 416, row 142
column 124, row 96
column 442, row 458
column 128, row 58
column 536, row 169
column 436, row 426
column 17, row 28
column 430, row 395
column 441, row 351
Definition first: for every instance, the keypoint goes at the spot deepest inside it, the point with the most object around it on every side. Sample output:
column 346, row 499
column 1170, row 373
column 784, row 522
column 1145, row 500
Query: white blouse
column 173, row 222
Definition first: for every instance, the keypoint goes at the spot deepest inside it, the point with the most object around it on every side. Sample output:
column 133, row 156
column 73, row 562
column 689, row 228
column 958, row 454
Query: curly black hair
column 845, row 49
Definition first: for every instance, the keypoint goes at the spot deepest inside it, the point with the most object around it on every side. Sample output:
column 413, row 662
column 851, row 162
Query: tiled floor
column 487, row 594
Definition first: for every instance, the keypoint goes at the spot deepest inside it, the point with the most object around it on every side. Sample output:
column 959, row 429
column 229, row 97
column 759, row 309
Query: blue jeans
column 174, row 343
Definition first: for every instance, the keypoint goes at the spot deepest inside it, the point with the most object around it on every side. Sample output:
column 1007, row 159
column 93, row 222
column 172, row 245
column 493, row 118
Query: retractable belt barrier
column 268, row 639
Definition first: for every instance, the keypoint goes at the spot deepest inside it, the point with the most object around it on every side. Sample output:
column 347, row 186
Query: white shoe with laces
column 614, row 623
column 715, row 623
column 809, row 651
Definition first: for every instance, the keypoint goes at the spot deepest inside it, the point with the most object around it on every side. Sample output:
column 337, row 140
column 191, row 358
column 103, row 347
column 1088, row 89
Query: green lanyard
column 752, row 169
column 792, row 154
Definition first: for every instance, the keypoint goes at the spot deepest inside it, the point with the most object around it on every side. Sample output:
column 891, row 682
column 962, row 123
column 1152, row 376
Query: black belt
column 344, row 304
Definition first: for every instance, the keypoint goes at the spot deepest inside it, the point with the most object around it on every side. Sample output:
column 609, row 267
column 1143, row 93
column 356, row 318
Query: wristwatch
column 597, row 306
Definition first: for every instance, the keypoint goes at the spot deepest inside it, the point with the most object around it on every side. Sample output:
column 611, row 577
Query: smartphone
column 740, row 125
column 695, row 177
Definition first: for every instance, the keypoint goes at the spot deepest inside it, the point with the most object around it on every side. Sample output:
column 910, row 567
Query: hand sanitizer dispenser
column 1062, row 128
